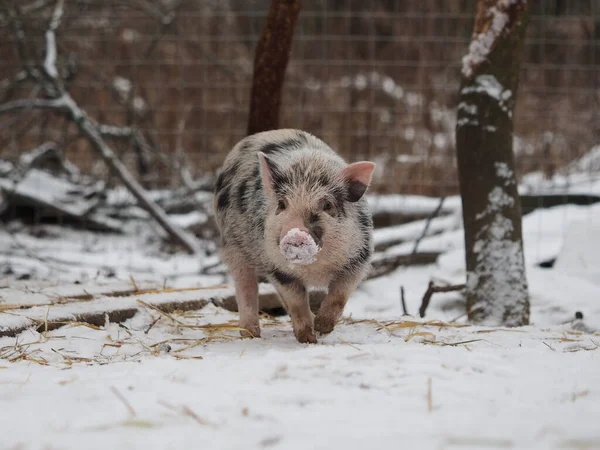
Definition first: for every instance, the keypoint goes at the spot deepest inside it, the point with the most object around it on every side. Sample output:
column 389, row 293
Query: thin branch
column 50, row 61
column 432, row 216
column 403, row 301
column 138, row 141
column 57, row 104
column 433, row 289
column 65, row 103
column 89, row 129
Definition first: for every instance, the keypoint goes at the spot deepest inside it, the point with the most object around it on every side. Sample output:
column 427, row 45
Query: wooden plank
column 26, row 294
column 16, row 320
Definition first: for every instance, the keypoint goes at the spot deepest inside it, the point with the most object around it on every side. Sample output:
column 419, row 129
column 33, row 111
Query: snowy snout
column 293, row 223
column 299, row 247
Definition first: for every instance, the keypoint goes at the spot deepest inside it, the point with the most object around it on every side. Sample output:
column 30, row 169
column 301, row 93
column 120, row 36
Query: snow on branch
column 490, row 25
column 62, row 101
column 50, row 61
column 92, row 132
column 16, row 105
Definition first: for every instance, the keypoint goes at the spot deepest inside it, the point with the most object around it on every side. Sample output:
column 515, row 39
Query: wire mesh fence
column 375, row 79
column 169, row 81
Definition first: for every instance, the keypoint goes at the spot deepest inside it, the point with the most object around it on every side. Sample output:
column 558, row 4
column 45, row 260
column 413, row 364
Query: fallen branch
column 433, row 289
column 387, row 264
column 36, row 103
column 110, row 158
column 63, row 102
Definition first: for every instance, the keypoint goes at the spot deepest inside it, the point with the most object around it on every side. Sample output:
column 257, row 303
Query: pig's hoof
column 324, row 325
column 250, row 331
column 306, row 336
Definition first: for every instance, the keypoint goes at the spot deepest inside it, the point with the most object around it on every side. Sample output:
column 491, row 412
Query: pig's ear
column 358, row 176
column 267, row 169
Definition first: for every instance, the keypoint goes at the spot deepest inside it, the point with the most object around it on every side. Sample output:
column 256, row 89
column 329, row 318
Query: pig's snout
column 286, row 230
column 314, row 234
column 293, row 221
column 298, row 247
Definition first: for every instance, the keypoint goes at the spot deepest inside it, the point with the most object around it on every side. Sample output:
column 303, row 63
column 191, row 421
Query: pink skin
column 360, row 171
column 246, row 293
column 292, row 221
column 294, row 300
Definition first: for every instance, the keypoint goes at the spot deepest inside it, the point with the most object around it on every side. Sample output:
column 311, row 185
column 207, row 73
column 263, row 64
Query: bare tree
column 56, row 98
column 497, row 292
column 270, row 62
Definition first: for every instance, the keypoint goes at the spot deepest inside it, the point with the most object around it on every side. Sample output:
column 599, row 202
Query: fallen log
column 49, row 309
column 42, row 195
column 383, row 265
column 48, row 313
column 531, row 202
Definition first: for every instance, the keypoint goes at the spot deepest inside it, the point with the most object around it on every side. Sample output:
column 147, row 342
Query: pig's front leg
column 333, row 306
column 246, row 296
column 295, row 300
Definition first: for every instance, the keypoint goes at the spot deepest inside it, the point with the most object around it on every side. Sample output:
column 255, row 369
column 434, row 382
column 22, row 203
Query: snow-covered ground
column 380, row 379
column 367, row 385
column 581, row 176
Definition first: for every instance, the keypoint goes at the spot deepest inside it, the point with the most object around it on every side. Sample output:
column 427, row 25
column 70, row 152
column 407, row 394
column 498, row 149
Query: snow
column 490, row 86
column 498, row 276
column 575, row 184
column 384, row 83
column 41, row 313
column 50, row 60
column 51, row 191
column 580, row 177
column 189, row 219
column 410, row 204
column 364, row 385
column 482, row 43
column 298, row 247
column 590, row 162
column 580, row 252
column 468, row 108
column 123, row 85
column 380, row 379
column 543, row 234
column 413, row 230
column 63, row 254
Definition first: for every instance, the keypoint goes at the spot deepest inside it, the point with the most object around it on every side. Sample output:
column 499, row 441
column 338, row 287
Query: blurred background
column 376, row 79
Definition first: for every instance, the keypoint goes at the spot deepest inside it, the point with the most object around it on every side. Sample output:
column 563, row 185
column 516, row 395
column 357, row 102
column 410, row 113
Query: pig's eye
column 281, row 205
column 327, row 206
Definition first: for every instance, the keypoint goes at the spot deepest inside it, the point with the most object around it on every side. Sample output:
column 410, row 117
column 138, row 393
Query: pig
column 282, row 183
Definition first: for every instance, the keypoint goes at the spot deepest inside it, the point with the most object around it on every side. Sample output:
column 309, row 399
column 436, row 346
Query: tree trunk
column 270, row 62
column 497, row 292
